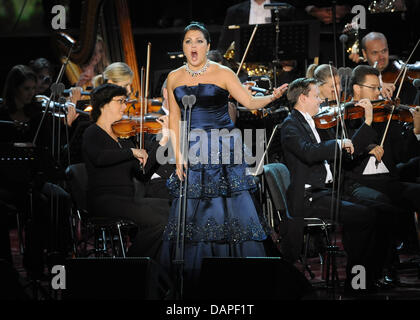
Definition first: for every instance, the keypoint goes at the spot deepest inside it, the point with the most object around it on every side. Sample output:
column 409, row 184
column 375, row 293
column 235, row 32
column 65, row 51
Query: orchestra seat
column 277, row 181
column 109, row 232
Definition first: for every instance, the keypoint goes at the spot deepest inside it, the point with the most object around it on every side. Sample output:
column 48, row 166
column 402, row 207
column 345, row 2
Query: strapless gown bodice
column 211, row 108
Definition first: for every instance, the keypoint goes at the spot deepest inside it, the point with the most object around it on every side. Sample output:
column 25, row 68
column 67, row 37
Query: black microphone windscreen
column 416, row 83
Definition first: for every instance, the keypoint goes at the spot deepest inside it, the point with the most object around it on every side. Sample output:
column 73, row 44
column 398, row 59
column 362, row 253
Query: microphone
column 189, row 101
column 343, row 39
column 83, row 93
column 416, row 83
column 257, row 89
column 276, row 5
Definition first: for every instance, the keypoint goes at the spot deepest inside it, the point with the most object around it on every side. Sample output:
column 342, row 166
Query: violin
column 413, row 71
column 130, row 126
column 382, row 108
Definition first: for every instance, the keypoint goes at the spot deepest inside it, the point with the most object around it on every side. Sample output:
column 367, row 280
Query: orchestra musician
column 120, row 73
column 112, row 163
column 374, row 174
column 43, row 229
column 376, row 53
column 310, row 194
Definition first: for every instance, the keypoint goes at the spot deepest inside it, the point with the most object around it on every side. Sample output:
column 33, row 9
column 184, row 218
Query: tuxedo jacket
column 305, row 158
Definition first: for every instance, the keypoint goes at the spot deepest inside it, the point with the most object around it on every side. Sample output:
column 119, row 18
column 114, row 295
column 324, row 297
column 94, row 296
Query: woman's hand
column 279, row 91
column 181, row 165
column 75, row 94
column 141, row 155
column 71, row 114
column 164, row 121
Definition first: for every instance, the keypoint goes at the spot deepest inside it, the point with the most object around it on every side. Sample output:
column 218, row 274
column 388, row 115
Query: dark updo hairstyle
column 40, row 64
column 194, row 25
column 15, row 78
column 102, row 95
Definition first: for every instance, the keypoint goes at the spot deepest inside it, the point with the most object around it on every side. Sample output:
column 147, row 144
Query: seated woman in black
column 111, row 164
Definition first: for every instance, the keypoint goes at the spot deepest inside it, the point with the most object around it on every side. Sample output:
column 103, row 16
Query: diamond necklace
column 198, row 72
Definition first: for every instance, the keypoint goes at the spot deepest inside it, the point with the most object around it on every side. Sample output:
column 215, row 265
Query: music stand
column 298, row 40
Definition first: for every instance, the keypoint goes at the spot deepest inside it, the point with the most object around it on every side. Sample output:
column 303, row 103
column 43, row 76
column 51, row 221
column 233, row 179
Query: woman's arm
column 242, row 94
column 174, row 119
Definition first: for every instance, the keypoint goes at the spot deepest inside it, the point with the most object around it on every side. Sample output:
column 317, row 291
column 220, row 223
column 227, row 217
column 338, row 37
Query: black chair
column 105, row 229
column 277, row 181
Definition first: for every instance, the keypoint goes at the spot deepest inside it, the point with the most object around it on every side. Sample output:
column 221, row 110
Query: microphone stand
column 256, row 173
column 188, row 102
column 276, row 61
column 57, row 89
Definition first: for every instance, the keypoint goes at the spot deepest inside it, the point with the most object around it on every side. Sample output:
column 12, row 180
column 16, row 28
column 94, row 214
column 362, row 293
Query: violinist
column 309, row 195
column 329, row 90
column 376, row 53
column 119, row 73
column 374, row 174
column 112, row 163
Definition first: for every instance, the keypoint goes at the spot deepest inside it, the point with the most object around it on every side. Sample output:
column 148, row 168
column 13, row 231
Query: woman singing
column 221, row 217
column 112, row 164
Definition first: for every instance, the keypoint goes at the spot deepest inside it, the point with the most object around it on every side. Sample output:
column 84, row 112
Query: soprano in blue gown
column 222, row 218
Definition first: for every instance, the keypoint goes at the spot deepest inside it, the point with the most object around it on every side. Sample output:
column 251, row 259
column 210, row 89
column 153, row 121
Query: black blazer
column 304, row 157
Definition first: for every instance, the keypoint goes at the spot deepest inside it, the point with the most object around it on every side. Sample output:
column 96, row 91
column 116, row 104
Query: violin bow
column 405, row 64
column 335, row 152
column 393, row 106
column 247, row 48
column 338, row 104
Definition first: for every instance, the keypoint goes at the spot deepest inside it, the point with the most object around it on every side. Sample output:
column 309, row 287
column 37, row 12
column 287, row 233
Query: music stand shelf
column 298, row 40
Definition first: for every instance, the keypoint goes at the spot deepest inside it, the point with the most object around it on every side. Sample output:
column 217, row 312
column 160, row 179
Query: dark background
column 160, row 22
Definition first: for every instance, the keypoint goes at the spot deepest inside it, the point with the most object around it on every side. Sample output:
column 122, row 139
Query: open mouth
column 194, row 55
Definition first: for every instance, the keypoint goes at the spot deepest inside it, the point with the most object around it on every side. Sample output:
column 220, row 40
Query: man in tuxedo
column 374, row 174
column 310, row 194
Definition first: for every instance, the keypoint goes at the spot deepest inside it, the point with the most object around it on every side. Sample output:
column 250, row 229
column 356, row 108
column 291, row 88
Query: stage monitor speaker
column 252, row 278
column 115, row 278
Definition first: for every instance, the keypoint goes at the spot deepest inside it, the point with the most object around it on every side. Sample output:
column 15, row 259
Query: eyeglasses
column 121, row 101
column 370, row 87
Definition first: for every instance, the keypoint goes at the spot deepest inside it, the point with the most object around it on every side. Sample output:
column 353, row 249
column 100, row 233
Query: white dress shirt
column 310, row 121
column 257, row 13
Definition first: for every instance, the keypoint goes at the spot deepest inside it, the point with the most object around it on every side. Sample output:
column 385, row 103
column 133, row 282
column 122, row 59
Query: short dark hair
column 194, row 25
column 298, row 87
column 358, row 75
column 102, row 95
